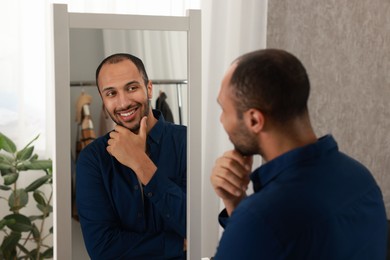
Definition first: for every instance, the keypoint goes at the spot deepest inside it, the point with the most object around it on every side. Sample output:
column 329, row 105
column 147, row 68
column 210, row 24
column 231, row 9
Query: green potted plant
column 24, row 237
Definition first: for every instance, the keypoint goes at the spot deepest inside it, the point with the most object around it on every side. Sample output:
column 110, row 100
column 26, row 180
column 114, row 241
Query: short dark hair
column 118, row 57
column 272, row 81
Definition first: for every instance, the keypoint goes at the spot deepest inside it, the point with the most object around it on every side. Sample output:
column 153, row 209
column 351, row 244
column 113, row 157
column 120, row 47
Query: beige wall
column 345, row 46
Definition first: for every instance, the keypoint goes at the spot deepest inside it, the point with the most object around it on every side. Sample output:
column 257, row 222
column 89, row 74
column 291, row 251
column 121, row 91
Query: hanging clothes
column 106, row 123
column 162, row 105
column 85, row 133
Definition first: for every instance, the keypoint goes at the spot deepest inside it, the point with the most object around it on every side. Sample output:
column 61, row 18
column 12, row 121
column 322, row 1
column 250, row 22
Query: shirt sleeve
column 170, row 200
column 223, row 218
column 104, row 236
column 167, row 188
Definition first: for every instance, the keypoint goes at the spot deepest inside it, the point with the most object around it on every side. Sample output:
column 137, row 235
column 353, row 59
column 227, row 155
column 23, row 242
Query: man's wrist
column 145, row 171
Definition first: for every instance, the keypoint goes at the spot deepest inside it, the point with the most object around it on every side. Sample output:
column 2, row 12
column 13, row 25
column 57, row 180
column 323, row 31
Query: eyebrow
column 127, row 84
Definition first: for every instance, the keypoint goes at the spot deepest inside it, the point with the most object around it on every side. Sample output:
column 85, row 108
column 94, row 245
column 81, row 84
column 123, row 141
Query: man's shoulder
column 175, row 129
column 96, row 146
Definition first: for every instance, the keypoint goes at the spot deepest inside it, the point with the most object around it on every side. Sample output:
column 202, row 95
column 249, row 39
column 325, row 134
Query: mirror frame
column 62, row 22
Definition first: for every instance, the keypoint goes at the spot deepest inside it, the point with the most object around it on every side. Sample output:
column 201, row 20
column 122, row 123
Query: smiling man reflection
column 131, row 183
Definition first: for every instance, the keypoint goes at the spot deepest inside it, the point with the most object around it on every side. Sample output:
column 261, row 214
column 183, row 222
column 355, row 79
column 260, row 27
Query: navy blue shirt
column 313, row 202
column 121, row 219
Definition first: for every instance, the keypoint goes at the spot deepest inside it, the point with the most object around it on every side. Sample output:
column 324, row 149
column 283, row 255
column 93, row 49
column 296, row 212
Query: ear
column 254, row 120
column 149, row 89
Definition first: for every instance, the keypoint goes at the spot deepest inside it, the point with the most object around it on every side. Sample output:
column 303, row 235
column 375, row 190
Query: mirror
column 165, row 57
column 66, row 26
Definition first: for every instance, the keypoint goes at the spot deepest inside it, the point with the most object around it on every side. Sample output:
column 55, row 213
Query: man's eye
column 131, row 88
column 110, row 93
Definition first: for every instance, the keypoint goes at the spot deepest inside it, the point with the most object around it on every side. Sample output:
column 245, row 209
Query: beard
column 135, row 128
column 244, row 141
column 246, row 149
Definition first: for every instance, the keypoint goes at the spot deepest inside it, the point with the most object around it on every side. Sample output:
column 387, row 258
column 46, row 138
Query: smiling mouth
column 128, row 115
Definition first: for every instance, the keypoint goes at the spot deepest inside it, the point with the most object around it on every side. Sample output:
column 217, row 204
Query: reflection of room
column 166, row 70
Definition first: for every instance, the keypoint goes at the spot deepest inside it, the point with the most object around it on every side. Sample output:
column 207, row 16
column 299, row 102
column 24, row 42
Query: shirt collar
column 157, row 130
column 270, row 170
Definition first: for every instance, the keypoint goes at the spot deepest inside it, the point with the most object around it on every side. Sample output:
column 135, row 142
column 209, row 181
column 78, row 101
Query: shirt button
column 168, row 216
column 139, row 214
column 149, row 194
column 136, row 187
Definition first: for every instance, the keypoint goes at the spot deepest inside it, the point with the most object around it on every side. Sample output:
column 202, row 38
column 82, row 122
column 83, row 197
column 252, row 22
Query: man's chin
column 132, row 127
column 243, row 152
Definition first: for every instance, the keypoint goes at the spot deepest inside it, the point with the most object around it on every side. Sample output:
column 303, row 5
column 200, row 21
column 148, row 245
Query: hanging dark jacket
column 162, row 105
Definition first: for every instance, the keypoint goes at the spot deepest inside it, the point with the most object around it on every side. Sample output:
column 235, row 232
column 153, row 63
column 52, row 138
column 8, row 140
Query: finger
column 113, row 134
column 119, row 129
column 240, row 183
column 143, row 128
column 223, row 184
column 236, row 173
column 108, row 148
column 244, row 161
column 248, row 162
column 233, row 166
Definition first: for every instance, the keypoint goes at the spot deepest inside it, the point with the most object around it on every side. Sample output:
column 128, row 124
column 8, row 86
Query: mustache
column 129, row 107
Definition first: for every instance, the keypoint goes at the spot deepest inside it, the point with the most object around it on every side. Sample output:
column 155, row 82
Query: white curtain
column 23, row 72
column 229, row 28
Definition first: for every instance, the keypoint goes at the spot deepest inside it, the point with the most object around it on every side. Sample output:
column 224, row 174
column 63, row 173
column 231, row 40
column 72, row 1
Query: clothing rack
column 154, row 81
column 177, row 82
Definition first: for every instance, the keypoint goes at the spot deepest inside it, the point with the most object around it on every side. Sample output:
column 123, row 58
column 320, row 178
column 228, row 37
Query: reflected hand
column 130, row 150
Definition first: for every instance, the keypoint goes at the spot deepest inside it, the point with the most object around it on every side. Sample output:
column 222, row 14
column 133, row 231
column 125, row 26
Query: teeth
column 128, row 113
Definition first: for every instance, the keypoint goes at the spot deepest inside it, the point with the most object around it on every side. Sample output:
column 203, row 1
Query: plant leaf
column 39, row 165
column 48, row 253
column 10, row 241
column 39, row 197
column 38, row 183
column 33, row 218
column 8, row 171
column 10, row 178
column 6, row 158
column 32, row 254
column 22, row 223
column 35, row 232
column 23, row 166
column 24, row 250
column 46, row 210
column 33, row 140
column 2, row 223
column 25, row 154
column 7, row 144
column 5, row 166
column 2, row 187
column 18, row 199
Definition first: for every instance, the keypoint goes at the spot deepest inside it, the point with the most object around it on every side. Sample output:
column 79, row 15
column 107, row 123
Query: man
column 310, row 201
column 131, row 183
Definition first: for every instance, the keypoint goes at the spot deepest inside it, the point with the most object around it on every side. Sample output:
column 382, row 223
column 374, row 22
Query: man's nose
column 122, row 100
